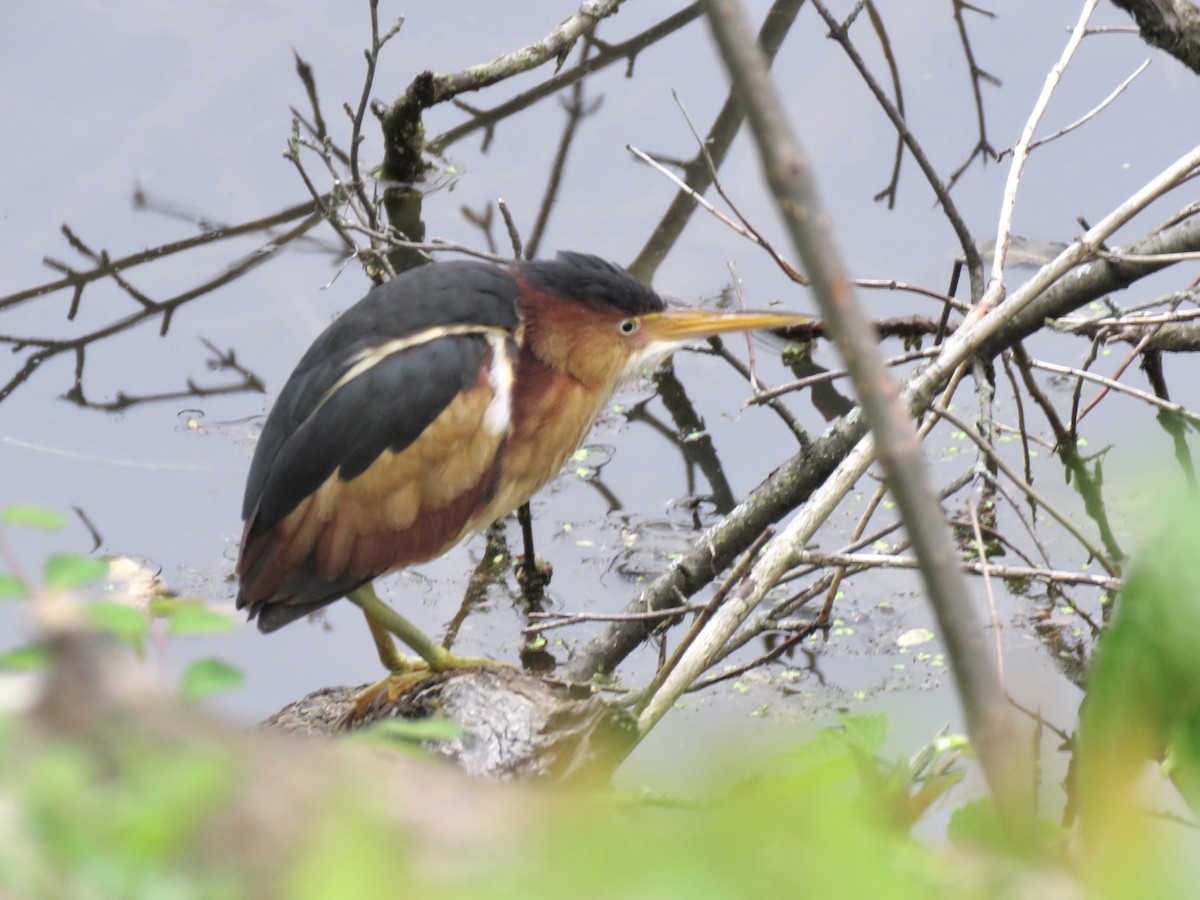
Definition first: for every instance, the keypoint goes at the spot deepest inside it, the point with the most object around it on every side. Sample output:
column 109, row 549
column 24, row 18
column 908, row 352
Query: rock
column 515, row 727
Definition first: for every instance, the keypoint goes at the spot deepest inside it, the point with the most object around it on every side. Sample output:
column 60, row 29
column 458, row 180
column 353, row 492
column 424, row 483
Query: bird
column 431, row 408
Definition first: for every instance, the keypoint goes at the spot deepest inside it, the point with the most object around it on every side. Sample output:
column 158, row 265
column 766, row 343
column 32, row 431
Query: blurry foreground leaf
column 865, row 732
column 412, row 731
column 209, row 676
column 976, row 824
column 189, row 617
column 1143, row 700
column 119, row 620
column 349, row 855
column 118, row 824
column 12, row 587
column 69, row 571
column 33, row 517
column 26, row 658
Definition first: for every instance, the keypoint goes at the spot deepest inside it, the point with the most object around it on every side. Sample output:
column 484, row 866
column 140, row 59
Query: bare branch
column 605, row 56
column 965, row 240
column 888, row 561
column 788, row 174
column 429, row 89
column 1111, row 384
column 1089, row 115
column 1020, row 152
column 77, row 280
column 983, row 148
column 1027, row 489
column 700, row 173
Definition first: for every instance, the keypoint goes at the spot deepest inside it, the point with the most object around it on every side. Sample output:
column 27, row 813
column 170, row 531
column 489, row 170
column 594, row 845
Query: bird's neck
column 560, row 334
column 551, row 413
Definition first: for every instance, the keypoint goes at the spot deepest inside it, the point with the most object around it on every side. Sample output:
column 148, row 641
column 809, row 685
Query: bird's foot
column 533, row 575
column 381, row 695
column 379, row 700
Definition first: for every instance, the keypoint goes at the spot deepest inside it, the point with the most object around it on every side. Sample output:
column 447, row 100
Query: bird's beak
column 680, row 326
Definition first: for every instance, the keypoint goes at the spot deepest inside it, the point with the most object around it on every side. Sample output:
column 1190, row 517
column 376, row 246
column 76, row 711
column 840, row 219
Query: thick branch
column 605, row 55
column 717, row 548
column 401, row 122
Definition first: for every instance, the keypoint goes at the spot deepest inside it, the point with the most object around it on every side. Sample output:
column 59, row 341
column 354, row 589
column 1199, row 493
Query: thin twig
column 985, row 571
column 359, row 114
column 1020, row 153
column 1114, row 385
column 1022, row 430
column 563, row 620
column 1000, row 489
column 429, row 89
column 983, row 147
column 78, row 280
column 1086, row 117
column 714, row 147
column 889, row 561
column 889, row 57
column 832, row 375
column 50, row 348
column 576, row 111
column 607, row 54
column 965, row 240
column 1063, row 520
column 735, row 576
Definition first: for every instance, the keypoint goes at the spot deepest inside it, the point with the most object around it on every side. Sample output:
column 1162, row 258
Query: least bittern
column 434, row 406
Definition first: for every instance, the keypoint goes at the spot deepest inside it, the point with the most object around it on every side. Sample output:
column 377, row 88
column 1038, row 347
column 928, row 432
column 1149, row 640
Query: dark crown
column 592, row 280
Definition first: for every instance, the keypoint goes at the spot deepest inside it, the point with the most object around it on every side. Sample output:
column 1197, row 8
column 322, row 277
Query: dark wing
column 434, row 296
column 346, row 461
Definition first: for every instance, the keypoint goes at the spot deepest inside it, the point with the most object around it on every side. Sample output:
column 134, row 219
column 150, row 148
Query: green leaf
column 865, row 732
column 209, row 676
column 431, row 728
column 27, row 658
column 976, row 823
column 119, row 620
column 1143, row 695
column 33, row 517
column 191, row 618
column 12, row 587
column 68, row 571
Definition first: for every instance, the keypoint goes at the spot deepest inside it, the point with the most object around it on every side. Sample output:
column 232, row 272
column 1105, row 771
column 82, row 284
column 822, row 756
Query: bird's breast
column 551, row 415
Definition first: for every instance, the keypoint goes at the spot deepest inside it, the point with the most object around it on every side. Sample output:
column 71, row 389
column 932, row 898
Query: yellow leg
column 382, row 619
column 393, row 660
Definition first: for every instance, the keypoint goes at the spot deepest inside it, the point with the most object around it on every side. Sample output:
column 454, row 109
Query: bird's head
column 597, row 322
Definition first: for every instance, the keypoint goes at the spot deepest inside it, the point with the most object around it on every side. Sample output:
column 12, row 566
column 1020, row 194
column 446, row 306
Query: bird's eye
column 627, row 326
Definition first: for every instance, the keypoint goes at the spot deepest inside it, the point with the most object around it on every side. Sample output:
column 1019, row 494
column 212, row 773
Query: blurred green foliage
column 1139, row 732
column 130, row 817
column 128, row 622
column 119, row 824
